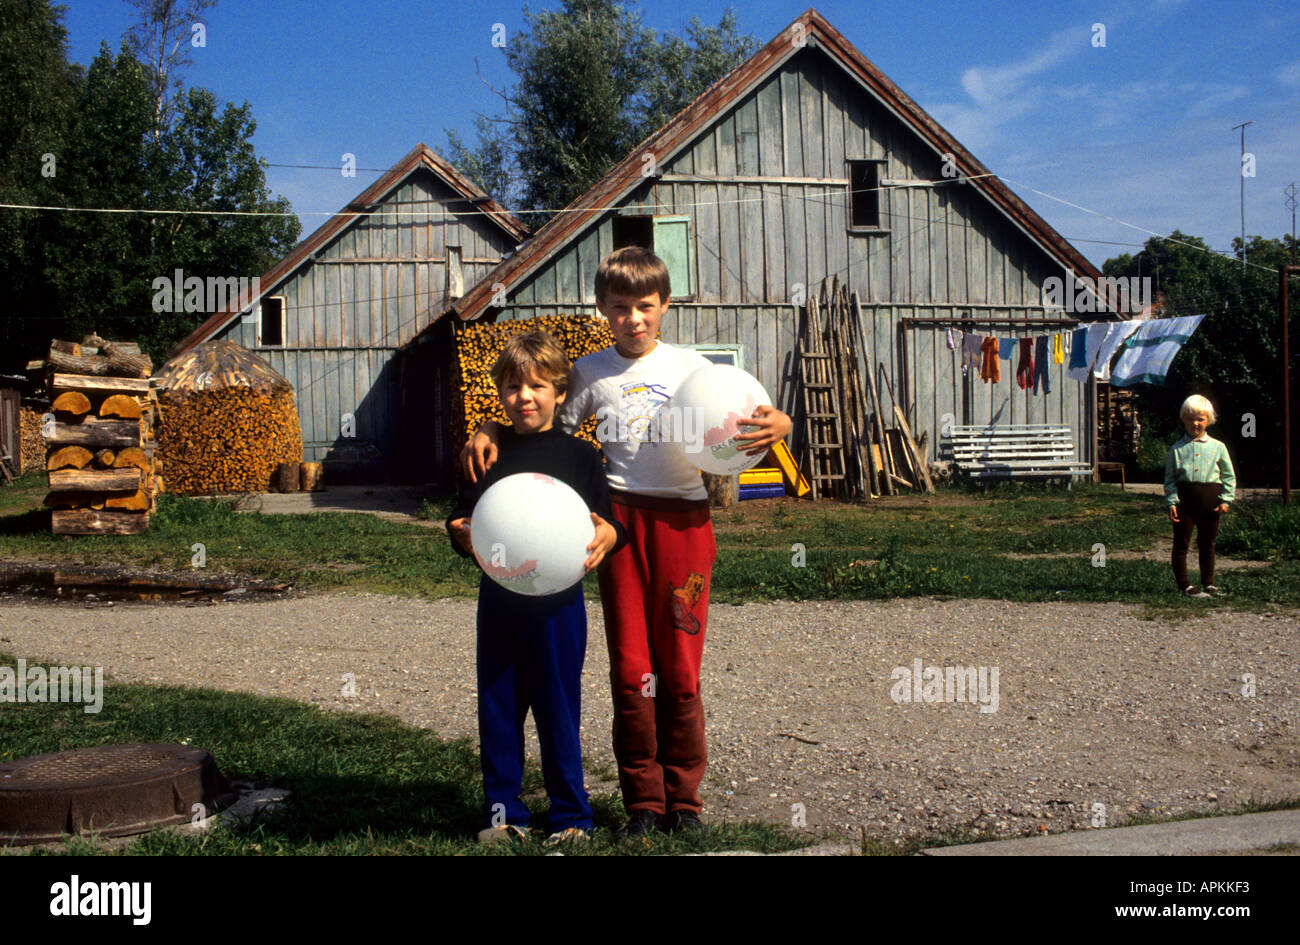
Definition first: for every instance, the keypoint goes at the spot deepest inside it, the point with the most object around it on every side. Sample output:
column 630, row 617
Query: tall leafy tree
column 36, row 104
column 591, row 83
column 1235, row 356
column 161, row 39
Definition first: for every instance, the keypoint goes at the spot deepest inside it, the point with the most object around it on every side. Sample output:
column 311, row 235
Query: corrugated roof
column 421, row 156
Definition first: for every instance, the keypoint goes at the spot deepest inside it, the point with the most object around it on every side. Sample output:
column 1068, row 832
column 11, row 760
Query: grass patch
column 1017, row 542
column 360, row 783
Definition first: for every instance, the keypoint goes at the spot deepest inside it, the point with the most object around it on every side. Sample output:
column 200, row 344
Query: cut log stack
column 228, row 422
column 99, row 436
column 474, row 395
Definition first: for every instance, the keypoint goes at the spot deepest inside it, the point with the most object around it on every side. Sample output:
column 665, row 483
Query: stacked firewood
column 474, row 395
column 99, row 435
column 229, row 421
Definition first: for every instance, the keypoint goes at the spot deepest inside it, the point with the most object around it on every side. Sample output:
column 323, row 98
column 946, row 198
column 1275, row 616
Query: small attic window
column 864, row 195
column 634, row 231
column 270, row 324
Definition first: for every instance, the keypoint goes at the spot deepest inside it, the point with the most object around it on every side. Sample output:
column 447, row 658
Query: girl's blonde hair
column 1197, row 404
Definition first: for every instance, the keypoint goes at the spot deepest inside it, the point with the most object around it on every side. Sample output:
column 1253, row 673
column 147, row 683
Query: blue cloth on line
column 1005, row 347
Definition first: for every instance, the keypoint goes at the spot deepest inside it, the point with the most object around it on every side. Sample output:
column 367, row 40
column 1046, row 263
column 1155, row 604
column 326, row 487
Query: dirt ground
column 1096, row 713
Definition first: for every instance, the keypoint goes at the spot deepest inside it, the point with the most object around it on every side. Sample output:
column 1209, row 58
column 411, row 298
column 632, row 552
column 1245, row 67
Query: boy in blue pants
column 530, row 650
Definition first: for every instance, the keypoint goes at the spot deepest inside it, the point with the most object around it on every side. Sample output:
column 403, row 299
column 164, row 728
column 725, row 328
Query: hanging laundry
column 1147, row 357
column 1078, row 343
column 1042, row 361
column 970, row 351
column 952, row 342
column 1094, row 336
column 1116, row 335
column 1058, row 352
column 990, row 370
column 1025, row 369
column 1006, row 347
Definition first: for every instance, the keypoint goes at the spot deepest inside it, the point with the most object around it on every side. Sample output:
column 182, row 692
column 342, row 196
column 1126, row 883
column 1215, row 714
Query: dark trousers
column 1196, row 504
column 530, row 655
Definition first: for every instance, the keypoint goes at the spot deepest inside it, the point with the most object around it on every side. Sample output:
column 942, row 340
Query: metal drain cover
column 114, row 790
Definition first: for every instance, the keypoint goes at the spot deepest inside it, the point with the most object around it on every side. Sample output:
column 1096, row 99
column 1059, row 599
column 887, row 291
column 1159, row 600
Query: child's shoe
column 1213, row 590
column 502, row 834
column 640, row 823
column 684, row 821
column 1190, row 591
column 567, row 835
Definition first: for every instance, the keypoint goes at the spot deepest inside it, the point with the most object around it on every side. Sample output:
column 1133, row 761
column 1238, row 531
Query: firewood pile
column 33, row 444
column 229, row 421
column 852, row 447
column 99, row 436
column 474, row 396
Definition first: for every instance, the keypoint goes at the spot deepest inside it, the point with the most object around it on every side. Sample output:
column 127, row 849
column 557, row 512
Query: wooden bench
column 1015, row 451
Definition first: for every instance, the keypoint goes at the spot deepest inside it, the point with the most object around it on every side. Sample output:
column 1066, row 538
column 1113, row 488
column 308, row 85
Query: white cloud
column 988, row 85
column 1289, row 75
column 1214, row 101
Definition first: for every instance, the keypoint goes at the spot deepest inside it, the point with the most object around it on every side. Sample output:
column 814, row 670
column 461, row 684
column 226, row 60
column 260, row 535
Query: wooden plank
column 90, row 522
column 92, row 431
column 787, row 84
column 918, row 461
column 95, row 480
column 811, row 101
column 777, row 287
column 115, row 385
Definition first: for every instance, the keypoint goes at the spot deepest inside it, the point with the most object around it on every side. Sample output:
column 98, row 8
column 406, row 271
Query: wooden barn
column 332, row 316
column 806, row 162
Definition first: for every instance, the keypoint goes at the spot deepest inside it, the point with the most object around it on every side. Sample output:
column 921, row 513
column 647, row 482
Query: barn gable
column 756, row 190
column 333, row 314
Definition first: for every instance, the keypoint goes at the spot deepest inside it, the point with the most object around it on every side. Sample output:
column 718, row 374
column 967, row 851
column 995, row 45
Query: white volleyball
column 530, row 534
column 706, row 413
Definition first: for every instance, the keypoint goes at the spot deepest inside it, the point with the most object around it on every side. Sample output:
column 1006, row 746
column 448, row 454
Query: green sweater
column 1203, row 460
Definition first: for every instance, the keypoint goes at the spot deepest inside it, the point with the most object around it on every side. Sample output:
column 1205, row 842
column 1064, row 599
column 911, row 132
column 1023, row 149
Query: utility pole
column 1290, row 204
column 1241, row 169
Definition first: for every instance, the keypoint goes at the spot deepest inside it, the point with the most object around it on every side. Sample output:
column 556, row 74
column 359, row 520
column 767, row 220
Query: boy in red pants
column 655, row 595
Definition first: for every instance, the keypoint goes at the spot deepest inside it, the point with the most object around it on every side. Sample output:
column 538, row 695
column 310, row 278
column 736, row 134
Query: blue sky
column 1138, row 131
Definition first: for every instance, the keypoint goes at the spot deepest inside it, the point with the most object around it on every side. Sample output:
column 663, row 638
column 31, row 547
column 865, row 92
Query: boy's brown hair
column 632, row 270
column 533, row 353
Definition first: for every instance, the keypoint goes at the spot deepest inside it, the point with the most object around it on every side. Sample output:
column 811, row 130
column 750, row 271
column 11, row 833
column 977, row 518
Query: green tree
column 103, row 265
column 36, row 103
column 1234, row 358
column 591, row 83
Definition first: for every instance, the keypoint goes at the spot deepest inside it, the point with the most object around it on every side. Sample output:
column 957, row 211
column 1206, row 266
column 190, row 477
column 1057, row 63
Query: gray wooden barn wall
column 944, row 250
column 370, row 290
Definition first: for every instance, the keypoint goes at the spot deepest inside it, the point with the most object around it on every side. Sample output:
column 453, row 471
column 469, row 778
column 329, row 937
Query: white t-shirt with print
column 624, row 394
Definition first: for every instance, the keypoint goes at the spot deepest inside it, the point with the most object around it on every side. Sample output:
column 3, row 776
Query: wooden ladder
column 821, row 436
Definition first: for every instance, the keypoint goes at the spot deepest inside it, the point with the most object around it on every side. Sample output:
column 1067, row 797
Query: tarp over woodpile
column 227, row 420
column 215, row 365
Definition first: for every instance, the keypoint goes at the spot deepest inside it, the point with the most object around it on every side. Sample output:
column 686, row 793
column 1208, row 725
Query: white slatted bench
column 1015, row 451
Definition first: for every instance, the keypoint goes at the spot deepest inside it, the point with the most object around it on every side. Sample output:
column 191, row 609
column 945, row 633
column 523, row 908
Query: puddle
column 114, row 585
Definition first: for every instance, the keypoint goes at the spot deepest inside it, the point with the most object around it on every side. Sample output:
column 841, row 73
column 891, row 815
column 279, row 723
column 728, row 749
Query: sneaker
column 502, row 834
column 640, row 823
column 567, row 835
column 684, row 821
column 1213, row 590
column 1190, row 591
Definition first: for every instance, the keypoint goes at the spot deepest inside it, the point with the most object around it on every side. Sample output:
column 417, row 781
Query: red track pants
column 655, row 594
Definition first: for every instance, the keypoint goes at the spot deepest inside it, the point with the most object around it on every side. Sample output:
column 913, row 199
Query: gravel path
column 1094, row 705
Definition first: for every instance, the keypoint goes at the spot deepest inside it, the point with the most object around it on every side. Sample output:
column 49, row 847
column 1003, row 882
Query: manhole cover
column 114, row 790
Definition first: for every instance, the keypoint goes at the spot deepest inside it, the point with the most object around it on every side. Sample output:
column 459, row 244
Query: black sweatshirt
column 555, row 453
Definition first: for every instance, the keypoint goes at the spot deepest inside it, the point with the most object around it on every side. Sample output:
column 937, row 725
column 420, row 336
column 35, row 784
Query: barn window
column 668, row 237
column 270, row 326
column 455, row 275
column 864, row 195
column 633, row 231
